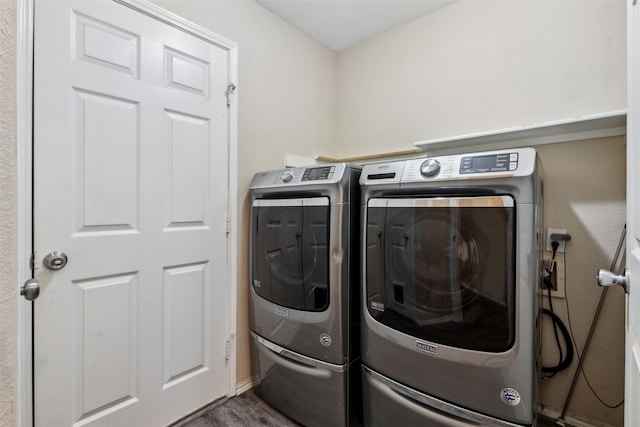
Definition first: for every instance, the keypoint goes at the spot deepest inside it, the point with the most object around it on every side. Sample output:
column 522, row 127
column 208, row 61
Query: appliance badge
column 510, row 396
column 325, row 339
column 377, row 306
column 282, row 311
column 426, row 347
column 257, row 283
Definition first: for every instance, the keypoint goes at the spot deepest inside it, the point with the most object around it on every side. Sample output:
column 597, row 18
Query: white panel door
column 131, row 183
column 632, row 346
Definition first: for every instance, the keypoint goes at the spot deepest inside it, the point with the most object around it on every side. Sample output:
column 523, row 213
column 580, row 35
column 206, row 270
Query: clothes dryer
column 451, row 262
column 304, row 293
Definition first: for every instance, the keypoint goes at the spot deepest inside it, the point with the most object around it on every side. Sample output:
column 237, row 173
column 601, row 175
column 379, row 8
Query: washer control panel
column 500, row 162
column 514, row 162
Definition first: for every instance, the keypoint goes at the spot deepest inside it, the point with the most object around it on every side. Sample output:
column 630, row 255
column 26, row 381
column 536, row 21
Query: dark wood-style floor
column 248, row 410
column 245, row 410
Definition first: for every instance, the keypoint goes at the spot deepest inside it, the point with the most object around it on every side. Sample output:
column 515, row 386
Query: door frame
column 23, row 384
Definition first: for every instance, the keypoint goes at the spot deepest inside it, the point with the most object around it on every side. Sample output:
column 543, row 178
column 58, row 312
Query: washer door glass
column 290, row 252
column 442, row 269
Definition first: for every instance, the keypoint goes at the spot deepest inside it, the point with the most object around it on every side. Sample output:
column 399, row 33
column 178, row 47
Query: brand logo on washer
column 426, row 347
column 377, row 306
column 325, row 339
column 282, row 312
column 510, row 396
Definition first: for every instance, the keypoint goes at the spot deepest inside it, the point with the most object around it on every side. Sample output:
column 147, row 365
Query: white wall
column 8, row 275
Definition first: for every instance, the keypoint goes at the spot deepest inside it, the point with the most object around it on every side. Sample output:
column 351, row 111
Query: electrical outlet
column 551, row 231
column 558, row 280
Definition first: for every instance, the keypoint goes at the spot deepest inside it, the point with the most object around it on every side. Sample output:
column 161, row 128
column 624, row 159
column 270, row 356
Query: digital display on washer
column 505, row 162
column 313, row 174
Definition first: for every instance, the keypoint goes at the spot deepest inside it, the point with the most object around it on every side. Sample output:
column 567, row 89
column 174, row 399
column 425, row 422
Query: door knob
column 55, row 260
column 607, row 278
column 30, row 290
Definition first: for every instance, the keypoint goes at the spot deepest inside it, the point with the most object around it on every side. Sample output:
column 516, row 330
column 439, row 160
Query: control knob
column 286, row 176
column 430, row 167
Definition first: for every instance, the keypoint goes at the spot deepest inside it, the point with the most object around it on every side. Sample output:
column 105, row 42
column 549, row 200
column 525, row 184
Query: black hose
column 564, row 364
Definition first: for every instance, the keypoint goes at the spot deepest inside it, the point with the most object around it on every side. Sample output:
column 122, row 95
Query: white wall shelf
column 377, row 156
column 612, row 123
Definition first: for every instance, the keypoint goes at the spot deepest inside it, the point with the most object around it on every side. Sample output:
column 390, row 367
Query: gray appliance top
column 307, row 176
column 517, row 162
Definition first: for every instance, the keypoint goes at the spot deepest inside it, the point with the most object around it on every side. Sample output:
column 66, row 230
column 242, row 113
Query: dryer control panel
column 321, row 174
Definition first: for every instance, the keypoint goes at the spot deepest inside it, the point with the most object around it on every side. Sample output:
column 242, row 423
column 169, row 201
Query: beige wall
column 481, row 65
column 585, row 193
column 8, row 275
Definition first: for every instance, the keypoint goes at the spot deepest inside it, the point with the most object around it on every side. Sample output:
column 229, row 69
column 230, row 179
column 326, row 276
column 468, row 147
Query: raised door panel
column 106, row 45
column 186, row 72
column 186, row 333
column 189, row 177
column 106, row 354
column 107, row 139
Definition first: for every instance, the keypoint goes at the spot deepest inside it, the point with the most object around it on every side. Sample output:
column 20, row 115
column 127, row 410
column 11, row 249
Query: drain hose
column 564, row 364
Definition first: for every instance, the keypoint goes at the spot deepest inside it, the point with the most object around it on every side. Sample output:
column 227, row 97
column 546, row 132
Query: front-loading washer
column 451, row 251
column 304, row 293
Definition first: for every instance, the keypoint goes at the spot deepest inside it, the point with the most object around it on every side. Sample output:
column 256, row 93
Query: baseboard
column 245, row 385
column 570, row 420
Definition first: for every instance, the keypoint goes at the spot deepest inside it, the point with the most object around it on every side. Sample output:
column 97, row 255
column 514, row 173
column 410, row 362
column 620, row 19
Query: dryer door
column 442, row 269
column 290, row 252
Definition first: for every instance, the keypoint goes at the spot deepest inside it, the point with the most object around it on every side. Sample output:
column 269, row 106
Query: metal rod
column 594, row 322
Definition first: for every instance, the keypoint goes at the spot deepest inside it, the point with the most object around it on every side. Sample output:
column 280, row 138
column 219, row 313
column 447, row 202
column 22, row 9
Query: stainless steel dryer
column 304, row 293
column 451, row 259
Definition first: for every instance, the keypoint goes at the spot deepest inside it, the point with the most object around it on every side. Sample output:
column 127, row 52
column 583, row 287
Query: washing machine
column 451, row 263
column 304, row 293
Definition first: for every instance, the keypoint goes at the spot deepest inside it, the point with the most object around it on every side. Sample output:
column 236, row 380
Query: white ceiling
column 340, row 24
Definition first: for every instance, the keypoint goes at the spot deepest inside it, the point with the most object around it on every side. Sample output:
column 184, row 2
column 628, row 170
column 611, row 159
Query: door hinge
column 230, row 89
column 227, row 347
column 32, row 262
column 228, row 225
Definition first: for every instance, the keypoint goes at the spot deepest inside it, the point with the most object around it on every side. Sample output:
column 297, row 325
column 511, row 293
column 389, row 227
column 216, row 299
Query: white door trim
column 23, row 403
